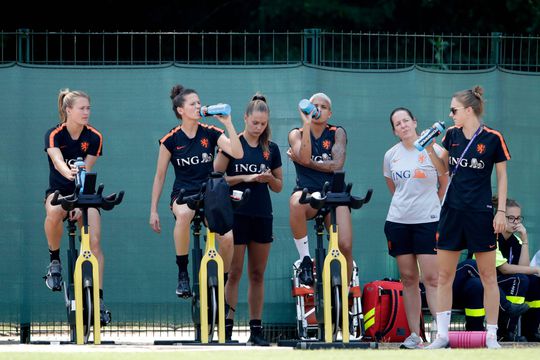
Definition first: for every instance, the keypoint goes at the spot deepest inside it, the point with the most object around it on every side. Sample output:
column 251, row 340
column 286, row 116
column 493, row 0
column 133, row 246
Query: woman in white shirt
column 417, row 188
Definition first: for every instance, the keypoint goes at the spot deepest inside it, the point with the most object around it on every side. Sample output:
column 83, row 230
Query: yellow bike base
column 335, row 255
column 211, row 254
column 86, row 255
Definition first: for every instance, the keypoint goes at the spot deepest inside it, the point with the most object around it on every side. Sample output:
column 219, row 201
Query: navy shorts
column 252, row 228
column 462, row 229
column 411, row 238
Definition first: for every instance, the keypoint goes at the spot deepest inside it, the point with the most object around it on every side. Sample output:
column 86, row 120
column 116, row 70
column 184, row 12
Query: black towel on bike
column 217, row 205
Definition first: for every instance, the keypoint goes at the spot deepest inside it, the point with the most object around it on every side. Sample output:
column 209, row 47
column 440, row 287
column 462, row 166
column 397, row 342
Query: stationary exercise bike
column 208, row 289
column 82, row 289
column 327, row 302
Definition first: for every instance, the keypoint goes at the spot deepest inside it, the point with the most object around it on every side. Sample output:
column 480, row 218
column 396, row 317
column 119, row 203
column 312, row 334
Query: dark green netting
column 132, row 109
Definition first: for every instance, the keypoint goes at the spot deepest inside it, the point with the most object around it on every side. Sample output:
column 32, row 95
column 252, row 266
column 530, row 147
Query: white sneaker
column 412, row 342
column 439, row 343
column 491, row 341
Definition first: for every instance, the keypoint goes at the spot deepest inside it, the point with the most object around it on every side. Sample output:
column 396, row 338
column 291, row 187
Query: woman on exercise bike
column 258, row 170
column 73, row 137
column 190, row 148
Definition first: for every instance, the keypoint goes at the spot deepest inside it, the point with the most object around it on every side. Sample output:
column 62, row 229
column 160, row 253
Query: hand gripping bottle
column 79, row 179
column 218, row 109
column 306, row 106
column 429, row 134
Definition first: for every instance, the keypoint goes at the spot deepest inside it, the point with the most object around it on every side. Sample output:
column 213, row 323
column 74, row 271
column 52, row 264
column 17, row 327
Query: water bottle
column 429, row 134
column 79, row 179
column 218, row 109
column 307, row 107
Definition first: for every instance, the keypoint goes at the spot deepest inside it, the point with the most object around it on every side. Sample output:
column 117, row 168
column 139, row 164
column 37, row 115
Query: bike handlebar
column 96, row 200
column 329, row 199
column 196, row 201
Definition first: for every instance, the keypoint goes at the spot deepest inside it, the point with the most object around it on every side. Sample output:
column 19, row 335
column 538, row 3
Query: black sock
column 101, row 294
column 255, row 324
column 182, row 262
column 225, row 278
column 54, row 254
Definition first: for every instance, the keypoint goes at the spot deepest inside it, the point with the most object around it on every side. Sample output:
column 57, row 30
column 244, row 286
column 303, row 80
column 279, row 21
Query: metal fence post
column 495, row 54
column 312, row 46
column 23, row 48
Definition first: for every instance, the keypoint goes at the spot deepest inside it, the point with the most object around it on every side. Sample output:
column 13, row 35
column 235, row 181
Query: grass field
column 72, row 352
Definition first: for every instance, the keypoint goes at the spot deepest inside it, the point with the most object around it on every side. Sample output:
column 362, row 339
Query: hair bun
column 258, row 96
column 478, row 91
column 176, row 90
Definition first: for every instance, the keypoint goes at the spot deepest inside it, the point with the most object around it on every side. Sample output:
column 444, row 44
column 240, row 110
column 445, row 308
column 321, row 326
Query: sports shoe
column 104, row 314
column 491, row 341
column 412, row 342
column 256, row 338
column 439, row 343
column 306, row 271
column 53, row 279
column 516, row 310
column 183, row 290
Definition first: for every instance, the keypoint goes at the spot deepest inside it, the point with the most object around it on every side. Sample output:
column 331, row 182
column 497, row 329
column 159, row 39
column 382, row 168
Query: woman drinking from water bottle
column 417, row 186
column 190, row 148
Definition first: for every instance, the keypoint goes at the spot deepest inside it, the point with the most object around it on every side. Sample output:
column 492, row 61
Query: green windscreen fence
column 132, row 109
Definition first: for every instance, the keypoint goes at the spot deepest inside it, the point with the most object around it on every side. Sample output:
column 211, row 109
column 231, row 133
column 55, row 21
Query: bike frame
column 86, row 264
column 214, row 262
column 335, row 264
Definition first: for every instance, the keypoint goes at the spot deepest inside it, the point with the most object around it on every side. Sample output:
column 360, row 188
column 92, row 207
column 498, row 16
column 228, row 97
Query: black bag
column 217, row 204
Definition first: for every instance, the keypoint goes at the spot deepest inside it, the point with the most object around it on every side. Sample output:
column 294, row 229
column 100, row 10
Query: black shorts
column 252, row 228
column 411, row 238
column 462, row 229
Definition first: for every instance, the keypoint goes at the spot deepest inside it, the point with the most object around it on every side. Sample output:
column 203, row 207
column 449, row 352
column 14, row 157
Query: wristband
column 503, row 211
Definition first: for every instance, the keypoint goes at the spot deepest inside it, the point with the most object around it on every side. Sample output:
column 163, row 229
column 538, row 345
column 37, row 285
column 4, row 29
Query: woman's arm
column 60, row 164
column 90, row 161
column 499, row 222
column 508, row 269
column 390, row 184
column 338, row 154
column 159, row 179
column 232, row 143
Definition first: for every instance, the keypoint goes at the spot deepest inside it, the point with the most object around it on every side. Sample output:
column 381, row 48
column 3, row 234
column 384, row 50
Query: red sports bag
column 384, row 311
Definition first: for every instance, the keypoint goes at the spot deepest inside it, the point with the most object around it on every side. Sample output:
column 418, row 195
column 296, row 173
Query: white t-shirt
column 415, row 200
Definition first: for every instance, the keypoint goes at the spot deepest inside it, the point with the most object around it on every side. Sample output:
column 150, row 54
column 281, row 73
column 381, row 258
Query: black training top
column 90, row 142
column 192, row 159
column 255, row 161
column 470, row 188
column 321, row 151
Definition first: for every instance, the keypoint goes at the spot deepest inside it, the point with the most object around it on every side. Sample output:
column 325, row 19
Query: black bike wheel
column 212, row 311
column 88, row 307
column 336, row 311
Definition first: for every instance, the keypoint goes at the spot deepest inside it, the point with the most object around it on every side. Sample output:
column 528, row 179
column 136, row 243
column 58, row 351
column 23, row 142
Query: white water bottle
column 429, row 134
column 79, row 178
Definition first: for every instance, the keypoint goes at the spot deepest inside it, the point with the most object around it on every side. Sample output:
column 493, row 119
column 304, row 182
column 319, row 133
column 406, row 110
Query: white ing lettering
column 321, row 158
column 474, row 164
column 194, row 160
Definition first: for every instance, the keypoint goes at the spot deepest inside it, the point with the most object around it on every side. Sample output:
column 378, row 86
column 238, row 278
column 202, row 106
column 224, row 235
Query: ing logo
column 84, row 146
column 204, row 142
column 421, row 158
column 326, row 144
column 266, row 155
column 481, row 148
